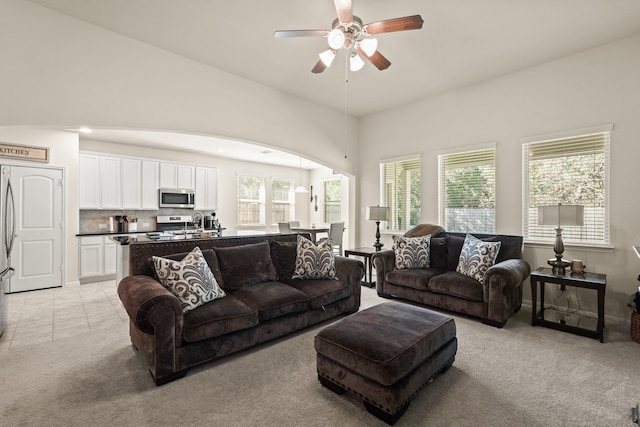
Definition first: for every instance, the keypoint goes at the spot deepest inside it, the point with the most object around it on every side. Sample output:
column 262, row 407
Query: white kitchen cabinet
column 89, row 181
column 150, row 183
column 206, row 188
column 174, row 175
column 131, row 184
column 97, row 258
column 110, row 183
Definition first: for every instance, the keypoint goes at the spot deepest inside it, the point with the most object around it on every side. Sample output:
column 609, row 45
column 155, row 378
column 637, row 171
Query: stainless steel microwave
column 177, row 198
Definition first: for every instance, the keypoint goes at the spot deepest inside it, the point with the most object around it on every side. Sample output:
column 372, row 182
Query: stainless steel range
column 176, row 224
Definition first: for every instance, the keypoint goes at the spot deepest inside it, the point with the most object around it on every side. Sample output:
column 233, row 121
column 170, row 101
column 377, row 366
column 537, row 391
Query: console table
column 365, row 252
column 595, row 281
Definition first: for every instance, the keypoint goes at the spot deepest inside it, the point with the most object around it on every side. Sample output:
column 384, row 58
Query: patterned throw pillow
column 314, row 262
column 476, row 257
column 412, row 252
column 190, row 280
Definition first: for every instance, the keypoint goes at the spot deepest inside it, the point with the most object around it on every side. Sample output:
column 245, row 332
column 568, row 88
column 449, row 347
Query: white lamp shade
column 336, row 38
column 377, row 213
column 355, row 62
column 559, row 214
column 369, row 46
column 327, row 57
column 300, row 189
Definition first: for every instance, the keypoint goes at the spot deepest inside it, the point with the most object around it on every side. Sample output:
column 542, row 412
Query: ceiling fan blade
column 413, row 22
column 376, row 59
column 345, row 10
column 300, row 33
column 319, row 67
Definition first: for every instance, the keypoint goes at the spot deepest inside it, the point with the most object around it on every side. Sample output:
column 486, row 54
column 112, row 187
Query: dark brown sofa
column 257, row 308
column 494, row 300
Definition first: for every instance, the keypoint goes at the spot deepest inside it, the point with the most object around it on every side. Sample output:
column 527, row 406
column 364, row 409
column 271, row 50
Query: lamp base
column 378, row 245
column 559, row 265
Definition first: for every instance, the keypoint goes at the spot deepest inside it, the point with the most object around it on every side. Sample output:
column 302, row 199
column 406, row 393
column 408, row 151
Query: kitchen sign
column 24, row 152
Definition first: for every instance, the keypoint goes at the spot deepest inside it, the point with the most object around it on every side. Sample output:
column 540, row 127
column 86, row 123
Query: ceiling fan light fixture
column 355, row 62
column 336, row 38
column 369, row 46
column 327, row 57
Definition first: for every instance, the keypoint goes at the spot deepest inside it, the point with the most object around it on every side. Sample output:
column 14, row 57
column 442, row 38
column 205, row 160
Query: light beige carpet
column 515, row 376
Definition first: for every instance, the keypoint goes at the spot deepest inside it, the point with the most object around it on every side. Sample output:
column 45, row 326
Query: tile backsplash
column 90, row 220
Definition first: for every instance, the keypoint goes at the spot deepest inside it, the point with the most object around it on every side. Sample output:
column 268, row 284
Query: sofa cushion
column 454, row 249
column 273, row 299
column 457, row 285
column 416, row 278
column 189, row 279
column 322, row 292
column 411, row 252
column 246, row 265
column 218, row 317
column 476, row 257
column 283, row 255
column 314, row 262
column 438, row 253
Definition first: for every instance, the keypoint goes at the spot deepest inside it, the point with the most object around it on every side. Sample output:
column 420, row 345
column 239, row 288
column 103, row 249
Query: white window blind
column 251, row 200
column 401, row 189
column 573, row 171
column 467, row 191
column 282, row 204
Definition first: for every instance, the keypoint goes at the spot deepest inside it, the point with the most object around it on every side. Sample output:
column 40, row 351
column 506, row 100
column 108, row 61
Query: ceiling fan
column 348, row 32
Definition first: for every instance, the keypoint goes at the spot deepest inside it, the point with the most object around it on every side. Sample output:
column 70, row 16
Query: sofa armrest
column 351, row 270
column 384, row 262
column 150, row 305
column 509, row 273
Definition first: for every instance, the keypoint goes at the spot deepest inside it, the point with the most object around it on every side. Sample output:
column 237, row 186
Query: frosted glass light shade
column 355, row 62
column 369, row 46
column 336, row 39
column 327, row 57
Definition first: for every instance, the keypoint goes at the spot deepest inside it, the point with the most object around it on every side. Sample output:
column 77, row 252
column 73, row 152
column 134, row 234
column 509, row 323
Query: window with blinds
column 572, row 171
column 282, row 204
column 332, row 201
column 401, row 189
column 467, row 191
column 251, row 200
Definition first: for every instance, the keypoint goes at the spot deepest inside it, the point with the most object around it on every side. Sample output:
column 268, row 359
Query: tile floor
column 39, row 316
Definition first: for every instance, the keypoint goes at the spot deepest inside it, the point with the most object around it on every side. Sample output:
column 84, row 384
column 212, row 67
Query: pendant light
column 300, row 188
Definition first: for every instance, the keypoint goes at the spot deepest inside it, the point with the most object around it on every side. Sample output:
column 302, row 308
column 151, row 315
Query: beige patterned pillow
column 412, row 252
column 476, row 257
column 190, row 280
column 314, row 262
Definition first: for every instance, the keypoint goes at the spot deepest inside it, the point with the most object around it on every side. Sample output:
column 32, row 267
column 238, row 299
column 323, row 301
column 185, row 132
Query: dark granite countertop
column 106, row 233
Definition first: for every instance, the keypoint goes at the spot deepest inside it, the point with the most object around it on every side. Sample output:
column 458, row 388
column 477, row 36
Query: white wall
column 591, row 88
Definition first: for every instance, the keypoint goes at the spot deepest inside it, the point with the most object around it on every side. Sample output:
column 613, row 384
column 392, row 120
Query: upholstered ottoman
column 385, row 354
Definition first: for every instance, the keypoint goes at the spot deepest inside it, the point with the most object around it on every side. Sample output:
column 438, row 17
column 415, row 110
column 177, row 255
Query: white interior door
column 38, row 249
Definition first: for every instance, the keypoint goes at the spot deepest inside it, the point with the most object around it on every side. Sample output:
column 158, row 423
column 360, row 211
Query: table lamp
column 560, row 215
column 377, row 214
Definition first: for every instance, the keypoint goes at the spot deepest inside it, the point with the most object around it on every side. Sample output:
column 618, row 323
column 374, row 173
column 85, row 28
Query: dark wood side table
column 594, row 281
column 365, row 252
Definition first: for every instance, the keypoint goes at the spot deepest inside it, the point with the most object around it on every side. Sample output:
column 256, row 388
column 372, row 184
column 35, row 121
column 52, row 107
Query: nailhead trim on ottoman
column 385, row 354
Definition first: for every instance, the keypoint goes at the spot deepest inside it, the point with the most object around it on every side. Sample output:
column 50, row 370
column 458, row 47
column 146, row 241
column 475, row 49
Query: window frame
column 476, row 155
column 568, row 236
column 329, row 203
column 387, row 189
column 289, row 204
column 261, row 201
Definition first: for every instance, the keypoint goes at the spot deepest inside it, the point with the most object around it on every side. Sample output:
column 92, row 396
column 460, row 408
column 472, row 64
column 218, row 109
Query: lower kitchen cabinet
column 97, row 258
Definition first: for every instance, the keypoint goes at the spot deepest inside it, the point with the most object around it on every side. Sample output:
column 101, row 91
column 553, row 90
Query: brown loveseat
column 494, row 300
column 262, row 301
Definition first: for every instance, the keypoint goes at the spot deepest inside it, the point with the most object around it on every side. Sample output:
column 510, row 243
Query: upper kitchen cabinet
column 89, row 182
column 131, row 184
column 110, row 183
column 150, row 184
column 206, row 188
column 173, row 175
